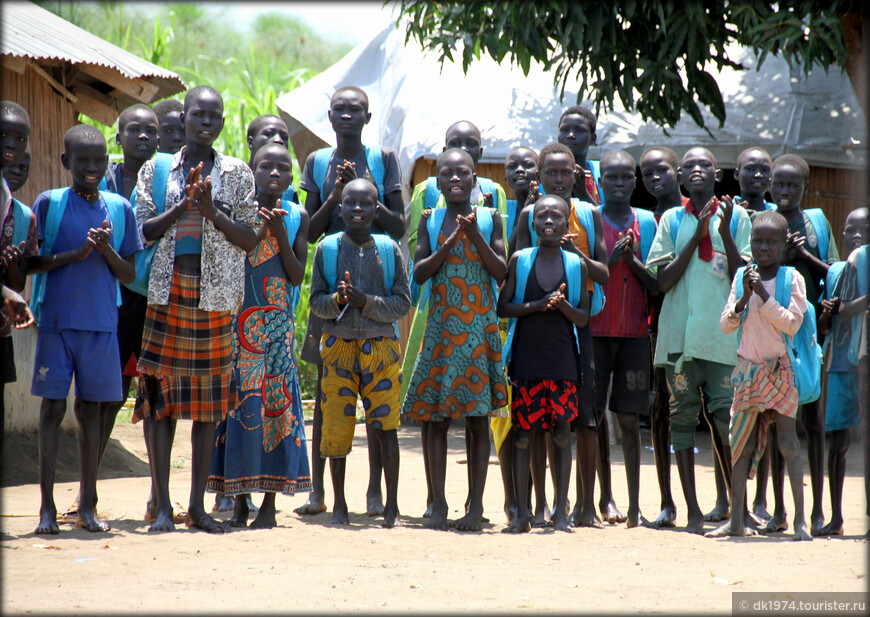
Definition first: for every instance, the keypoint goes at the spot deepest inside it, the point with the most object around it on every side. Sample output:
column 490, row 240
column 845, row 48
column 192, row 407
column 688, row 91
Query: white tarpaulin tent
column 413, row 100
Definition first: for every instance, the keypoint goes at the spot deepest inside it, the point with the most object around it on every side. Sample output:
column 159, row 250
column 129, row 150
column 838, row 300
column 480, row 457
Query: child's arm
column 735, row 260
column 154, row 225
column 323, row 301
column 389, row 309
column 729, row 321
column 426, row 264
column 390, row 215
column 597, row 264
column 492, row 254
column 670, row 274
column 786, row 320
column 124, row 269
column 12, row 262
column 829, row 309
column 624, row 249
column 320, row 213
column 506, row 306
column 293, row 257
column 854, row 307
column 578, row 315
column 239, row 234
column 796, row 249
column 523, row 238
column 47, row 263
column 16, row 308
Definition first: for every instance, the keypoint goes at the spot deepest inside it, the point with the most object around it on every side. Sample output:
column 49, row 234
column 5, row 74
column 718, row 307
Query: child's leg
column 266, row 515
column 315, row 502
column 814, row 425
column 337, row 471
column 789, row 445
column 629, row 426
column 436, row 446
column 424, row 440
column 538, row 469
column 606, row 504
column 151, row 504
column 840, row 442
column 88, row 418
column 660, row 422
column 587, row 452
column 759, row 504
column 685, row 410
column 240, row 510
column 721, row 472
column 562, row 465
column 388, row 442
column 202, row 446
column 522, row 444
column 51, row 413
column 374, row 497
column 505, row 464
column 478, row 461
column 734, row 526
column 778, row 521
column 158, row 437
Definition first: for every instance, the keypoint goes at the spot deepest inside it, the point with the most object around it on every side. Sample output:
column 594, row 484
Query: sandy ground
column 307, row 565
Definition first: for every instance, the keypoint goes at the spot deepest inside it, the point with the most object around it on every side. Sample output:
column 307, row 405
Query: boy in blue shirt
column 79, row 315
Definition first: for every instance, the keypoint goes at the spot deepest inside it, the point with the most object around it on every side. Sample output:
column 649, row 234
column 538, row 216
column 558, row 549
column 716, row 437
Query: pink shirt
column 765, row 322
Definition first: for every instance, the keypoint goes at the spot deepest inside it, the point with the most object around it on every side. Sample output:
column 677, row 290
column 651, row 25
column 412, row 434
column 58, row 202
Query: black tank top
column 544, row 346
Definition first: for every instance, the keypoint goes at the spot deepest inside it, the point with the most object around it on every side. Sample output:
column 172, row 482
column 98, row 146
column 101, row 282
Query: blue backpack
column 858, row 320
column 292, row 221
column 374, row 162
column 525, row 261
column 420, row 296
column 677, row 215
column 162, row 167
column 803, row 350
column 430, row 198
column 21, row 217
column 511, row 207
column 583, row 211
column 56, row 207
column 386, row 252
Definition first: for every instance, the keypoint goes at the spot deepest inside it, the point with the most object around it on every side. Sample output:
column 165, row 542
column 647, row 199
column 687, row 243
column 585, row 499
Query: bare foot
column 472, row 521
column 89, row 520
column 760, row 512
column 162, row 522
column 776, row 523
column 517, row 527
column 240, row 513
column 265, row 518
column 726, row 530
column 339, row 516
column 633, row 519
column 817, row 521
column 47, row 523
column 542, row 518
column 202, row 520
column 666, row 518
column 374, row 505
column 314, row 505
column 696, row 525
column 223, row 503
column 834, row 528
column 391, row 519
column 560, row 522
column 611, row 514
column 800, row 532
column 585, row 519
column 719, row 513
column 510, row 511
column 150, row 507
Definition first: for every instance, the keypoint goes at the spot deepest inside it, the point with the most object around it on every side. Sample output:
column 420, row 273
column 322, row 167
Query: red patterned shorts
column 541, row 405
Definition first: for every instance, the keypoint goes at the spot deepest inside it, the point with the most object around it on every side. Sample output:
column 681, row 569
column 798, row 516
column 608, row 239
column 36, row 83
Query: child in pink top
column 764, row 384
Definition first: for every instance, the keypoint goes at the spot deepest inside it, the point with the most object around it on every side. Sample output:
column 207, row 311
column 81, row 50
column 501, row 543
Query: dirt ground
column 307, row 565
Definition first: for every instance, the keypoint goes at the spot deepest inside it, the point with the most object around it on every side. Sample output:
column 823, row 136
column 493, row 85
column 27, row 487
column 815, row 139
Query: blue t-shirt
column 82, row 295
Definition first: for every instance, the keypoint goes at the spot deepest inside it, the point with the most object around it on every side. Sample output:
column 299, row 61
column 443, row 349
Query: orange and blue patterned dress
column 260, row 447
column 459, row 371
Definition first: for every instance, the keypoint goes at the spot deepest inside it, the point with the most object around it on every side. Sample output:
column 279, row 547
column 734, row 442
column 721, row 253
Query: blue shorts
column 91, row 356
column 841, row 409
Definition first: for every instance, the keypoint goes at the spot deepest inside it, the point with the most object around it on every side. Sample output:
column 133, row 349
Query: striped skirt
column 186, row 364
column 761, row 391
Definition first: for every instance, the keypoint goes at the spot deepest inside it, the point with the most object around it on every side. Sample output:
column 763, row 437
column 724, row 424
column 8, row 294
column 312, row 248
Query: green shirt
column 689, row 319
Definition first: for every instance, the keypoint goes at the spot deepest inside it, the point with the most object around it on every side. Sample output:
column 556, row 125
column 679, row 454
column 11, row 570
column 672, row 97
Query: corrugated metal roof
column 30, row 31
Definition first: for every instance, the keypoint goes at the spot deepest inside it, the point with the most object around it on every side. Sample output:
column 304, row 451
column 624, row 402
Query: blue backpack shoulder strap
column 430, row 199
column 330, row 258
column 646, row 221
column 834, row 272
column 783, row 285
column 511, row 206
column 820, row 226
column 595, row 168
column 484, row 222
column 384, row 244
column 488, row 186
column 433, row 226
column 676, row 219
column 162, row 167
column 574, row 274
column 292, row 220
column 375, row 164
column 104, row 184
column 321, row 165
column 21, row 218
column 584, row 215
column 115, row 206
column 863, row 266
column 533, row 237
column 525, row 259
column 56, row 207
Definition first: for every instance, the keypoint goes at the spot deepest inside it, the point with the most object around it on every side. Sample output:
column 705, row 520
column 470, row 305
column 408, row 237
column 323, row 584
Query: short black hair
column 166, row 107
column 561, row 201
column 124, row 117
column 450, row 152
column 11, row 109
column 669, row 155
column 771, row 217
column 580, row 110
column 705, row 149
column 512, row 150
column 198, row 91
column 258, row 122
column 82, row 134
column 745, row 152
column 270, row 147
column 350, row 88
column 792, row 160
column 611, row 156
column 555, row 148
column 457, row 123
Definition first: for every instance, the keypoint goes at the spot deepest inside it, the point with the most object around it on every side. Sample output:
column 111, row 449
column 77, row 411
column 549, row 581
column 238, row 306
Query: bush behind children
column 577, row 292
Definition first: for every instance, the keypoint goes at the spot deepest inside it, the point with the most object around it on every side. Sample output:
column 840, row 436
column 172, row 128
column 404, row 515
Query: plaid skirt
column 186, row 364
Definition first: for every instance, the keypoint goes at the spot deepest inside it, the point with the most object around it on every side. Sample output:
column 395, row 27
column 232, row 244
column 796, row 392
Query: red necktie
column 705, row 246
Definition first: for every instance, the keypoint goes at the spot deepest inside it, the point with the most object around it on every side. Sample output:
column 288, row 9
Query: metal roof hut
column 56, row 71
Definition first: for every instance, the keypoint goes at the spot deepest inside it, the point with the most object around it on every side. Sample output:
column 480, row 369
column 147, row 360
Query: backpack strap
column 525, row 259
column 595, row 168
column 104, row 184
column 676, row 219
column 292, row 219
column 430, row 198
column 433, row 228
column 56, row 207
column 511, row 205
column 21, row 217
column 321, row 166
column 484, row 222
column 646, row 221
column 375, row 164
column 833, row 276
column 115, row 206
column 820, row 227
column 162, row 168
column 583, row 212
column 858, row 320
column 386, row 252
column 330, row 258
column 488, row 186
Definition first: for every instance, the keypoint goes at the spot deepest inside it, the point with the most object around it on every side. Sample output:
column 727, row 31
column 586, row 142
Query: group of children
column 531, row 318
